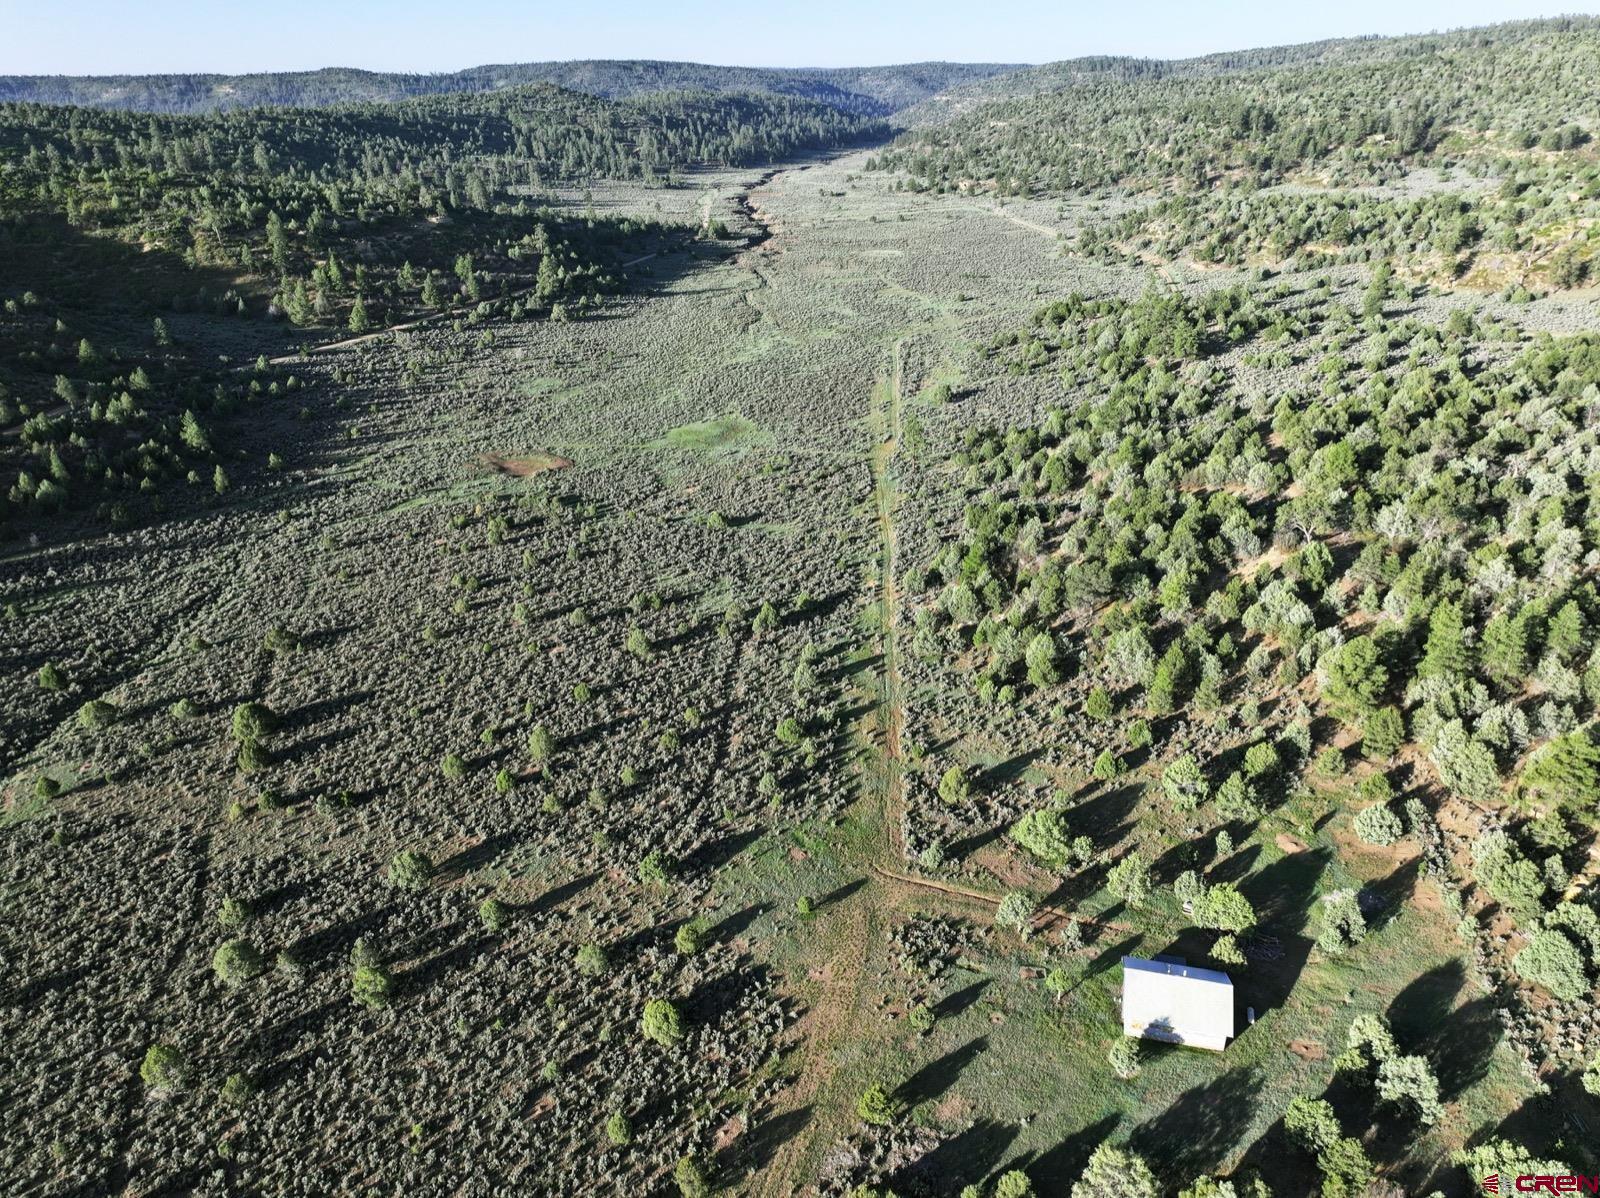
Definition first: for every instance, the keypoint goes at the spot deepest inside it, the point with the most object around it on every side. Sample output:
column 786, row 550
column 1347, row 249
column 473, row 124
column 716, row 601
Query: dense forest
column 1344, row 112
column 344, row 219
column 864, row 91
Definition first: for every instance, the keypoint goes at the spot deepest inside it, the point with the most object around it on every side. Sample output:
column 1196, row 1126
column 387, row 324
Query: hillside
column 1090, row 122
column 863, row 91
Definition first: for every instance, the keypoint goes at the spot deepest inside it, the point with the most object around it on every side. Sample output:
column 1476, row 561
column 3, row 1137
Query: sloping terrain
column 864, row 91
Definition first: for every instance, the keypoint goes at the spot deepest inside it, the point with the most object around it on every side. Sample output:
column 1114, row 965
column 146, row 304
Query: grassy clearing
column 719, row 433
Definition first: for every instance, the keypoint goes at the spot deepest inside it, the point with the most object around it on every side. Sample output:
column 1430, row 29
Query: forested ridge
column 864, row 91
column 1350, row 112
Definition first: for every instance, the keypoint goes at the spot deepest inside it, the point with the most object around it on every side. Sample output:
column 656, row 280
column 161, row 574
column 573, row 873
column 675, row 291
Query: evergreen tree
column 1445, row 654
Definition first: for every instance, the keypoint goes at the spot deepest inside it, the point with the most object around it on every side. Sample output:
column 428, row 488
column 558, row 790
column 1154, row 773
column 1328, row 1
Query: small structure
column 1167, row 1000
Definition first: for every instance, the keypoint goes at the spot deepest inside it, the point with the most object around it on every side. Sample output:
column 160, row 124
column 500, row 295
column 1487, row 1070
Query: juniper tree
column 619, row 1130
column 690, row 1178
column 541, row 744
column 411, row 870
column 1015, row 912
column 1124, row 1057
column 97, row 713
column 661, row 1022
column 1550, row 960
column 237, row 962
column 164, row 1068
column 1382, row 733
column 1184, row 784
column 372, row 985
column 1115, row 1173
column 1378, row 825
column 1129, row 879
column 494, row 915
column 1044, row 834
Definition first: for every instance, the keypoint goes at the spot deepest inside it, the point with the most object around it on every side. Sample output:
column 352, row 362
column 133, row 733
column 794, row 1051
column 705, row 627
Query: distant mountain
column 861, row 91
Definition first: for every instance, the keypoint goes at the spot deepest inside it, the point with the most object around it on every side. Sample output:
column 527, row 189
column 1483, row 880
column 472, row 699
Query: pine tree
column 1445, row 654
column 277, row 242
column 1564, row 635
column 1505, row 650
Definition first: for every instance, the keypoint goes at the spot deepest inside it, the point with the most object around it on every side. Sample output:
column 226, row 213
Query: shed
column 1169, row 1000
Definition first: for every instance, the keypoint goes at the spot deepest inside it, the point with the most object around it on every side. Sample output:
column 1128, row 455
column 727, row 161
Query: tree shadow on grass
column 1235, row 868
column 759, row 1147
column 965, row 1159
column 1388, row 896
column 1459, row 1041
column 716, row 853
column 958, row 1001
column 839, row 893
column 716, row 999
column 938, row 1075
column 557, row 895
column 1056, row 1170
column 738, row 923
column 335, row 940
column 451, row 960
column 1012, row 768
column 961, row 849
column 476, row 856
column 1203, row 1126
column 1283, row 895
column 1104, row 818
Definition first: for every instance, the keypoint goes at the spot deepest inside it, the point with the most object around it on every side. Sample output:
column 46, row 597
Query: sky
column 91, row 37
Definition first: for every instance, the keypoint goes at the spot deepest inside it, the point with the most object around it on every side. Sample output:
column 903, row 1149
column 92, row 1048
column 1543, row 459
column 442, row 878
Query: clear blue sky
column 140, row 36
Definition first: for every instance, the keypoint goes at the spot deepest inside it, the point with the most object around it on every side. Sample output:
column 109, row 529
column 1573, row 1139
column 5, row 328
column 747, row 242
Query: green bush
column 1378, row 825
column 164, row 1068
column 878, row 1106
column 661, row 1022
column 411, row 870
column 1551, row 961
column 97, row 713
column 372, row 986
column 253, row 722
column 1124, row 1057
column 237, row 961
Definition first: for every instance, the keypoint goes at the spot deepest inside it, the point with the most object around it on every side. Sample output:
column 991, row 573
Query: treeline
column 1351, row 112
column 862, row 91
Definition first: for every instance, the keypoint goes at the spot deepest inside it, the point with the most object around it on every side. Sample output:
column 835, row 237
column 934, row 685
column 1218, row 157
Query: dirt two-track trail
column 917, row 327
column 812, row 344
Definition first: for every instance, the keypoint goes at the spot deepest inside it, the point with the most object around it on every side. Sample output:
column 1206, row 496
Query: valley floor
column 759, row 430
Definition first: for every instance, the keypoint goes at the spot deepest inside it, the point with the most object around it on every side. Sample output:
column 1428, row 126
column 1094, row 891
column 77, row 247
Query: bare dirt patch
column 1307, row 1050
column 524, row 466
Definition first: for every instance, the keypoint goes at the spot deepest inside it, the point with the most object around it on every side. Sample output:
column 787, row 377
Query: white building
column 1171, row 1001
